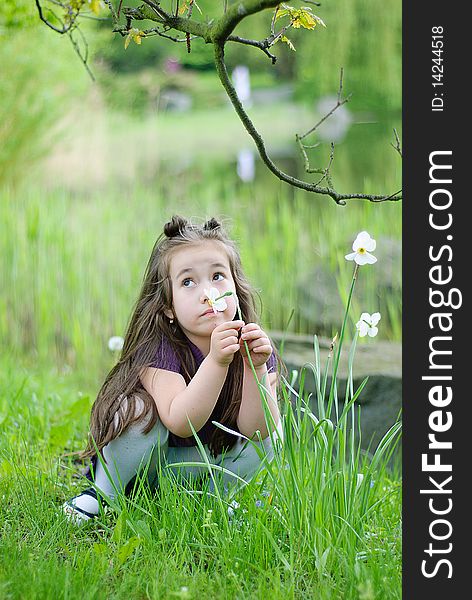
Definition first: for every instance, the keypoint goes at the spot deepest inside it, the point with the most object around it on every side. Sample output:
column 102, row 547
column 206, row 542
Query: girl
column 184, row 361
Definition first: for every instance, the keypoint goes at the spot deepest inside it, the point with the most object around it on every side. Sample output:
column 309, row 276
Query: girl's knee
column 141, row 420
column 275, row 436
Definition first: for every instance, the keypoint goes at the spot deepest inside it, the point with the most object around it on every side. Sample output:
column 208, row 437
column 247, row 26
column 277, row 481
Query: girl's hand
column 258, row 343
column 224, row 342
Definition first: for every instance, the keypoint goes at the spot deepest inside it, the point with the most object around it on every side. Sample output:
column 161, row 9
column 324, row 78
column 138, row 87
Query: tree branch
column 261, row 45
column 64, row 29
column 397, row 144
column 339, row 103
column 218, row 32
column 246, row 121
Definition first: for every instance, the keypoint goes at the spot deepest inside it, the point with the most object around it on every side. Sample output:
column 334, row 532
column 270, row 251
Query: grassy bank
column 309, row 526
column 72, row 263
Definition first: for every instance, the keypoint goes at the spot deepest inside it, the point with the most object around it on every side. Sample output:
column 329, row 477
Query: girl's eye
column 187, row 282
column 218, row 276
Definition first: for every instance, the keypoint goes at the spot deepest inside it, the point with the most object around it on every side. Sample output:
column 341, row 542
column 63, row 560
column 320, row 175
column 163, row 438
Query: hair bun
column 175, row 226
column 211, row 224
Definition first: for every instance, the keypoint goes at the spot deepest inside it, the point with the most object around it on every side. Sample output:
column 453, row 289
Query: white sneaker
column 82, row 508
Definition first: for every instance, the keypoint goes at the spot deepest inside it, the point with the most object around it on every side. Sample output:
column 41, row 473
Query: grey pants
column 133, row 451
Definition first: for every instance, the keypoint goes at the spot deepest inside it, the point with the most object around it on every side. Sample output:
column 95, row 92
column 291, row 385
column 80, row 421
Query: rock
column 319, row 300
column 380, row 361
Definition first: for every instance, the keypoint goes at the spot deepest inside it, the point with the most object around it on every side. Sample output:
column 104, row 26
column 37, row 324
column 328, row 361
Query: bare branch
column 218, row 32
column 155, row 31
column 83, row 58
column 335, row 107
column 326, row 173
column 261, row 45
column 309, row 187
column 397, row 144
column 158, row 10
column 68, row 29
column 308, row 169
column 150, row 11
column 64, row 29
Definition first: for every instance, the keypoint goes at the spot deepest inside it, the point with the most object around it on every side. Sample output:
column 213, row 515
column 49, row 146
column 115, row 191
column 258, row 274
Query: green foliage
column 16, row 14
column 154, row 51
column 36, row 93
column 360, row 35
column 297, row 18
column 363, row 37
column 80, row 287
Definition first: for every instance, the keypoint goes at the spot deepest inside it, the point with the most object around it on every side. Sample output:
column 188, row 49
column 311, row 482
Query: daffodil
column 363, row 245
column 215, row 300
column 115, row 343
column 367, row 325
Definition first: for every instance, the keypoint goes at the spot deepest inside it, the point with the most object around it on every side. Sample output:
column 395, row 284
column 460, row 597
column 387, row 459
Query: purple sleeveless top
column 167, row 359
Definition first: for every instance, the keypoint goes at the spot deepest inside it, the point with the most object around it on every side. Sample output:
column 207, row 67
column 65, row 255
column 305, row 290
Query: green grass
column 74, row 242
column 306, row 526
column 71, row 264
column 69, row 284
column 316, row 533
column 75, row 236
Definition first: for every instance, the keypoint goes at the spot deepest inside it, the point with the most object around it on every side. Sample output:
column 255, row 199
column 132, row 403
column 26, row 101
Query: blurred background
column 91, row 170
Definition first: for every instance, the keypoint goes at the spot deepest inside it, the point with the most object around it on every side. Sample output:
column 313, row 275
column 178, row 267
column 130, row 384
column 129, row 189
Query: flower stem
column 262, row 392
column 241, row 319
column 341, row 336
column 260, row 385
column 247, row 347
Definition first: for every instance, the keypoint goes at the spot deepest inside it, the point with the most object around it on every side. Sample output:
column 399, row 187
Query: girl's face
column 194, row 268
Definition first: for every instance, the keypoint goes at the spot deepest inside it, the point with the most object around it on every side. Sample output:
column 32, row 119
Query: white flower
column 362, row 246
column 232, row 508
column 115, row 343
column 368, row 324
column 217, row 303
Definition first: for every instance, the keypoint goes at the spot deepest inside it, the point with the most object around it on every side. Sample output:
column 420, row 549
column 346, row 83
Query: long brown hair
column 146, row 329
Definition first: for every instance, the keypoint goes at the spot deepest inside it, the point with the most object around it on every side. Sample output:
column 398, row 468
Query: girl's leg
column 243, row 459
column 125, row 456
column 187, row 454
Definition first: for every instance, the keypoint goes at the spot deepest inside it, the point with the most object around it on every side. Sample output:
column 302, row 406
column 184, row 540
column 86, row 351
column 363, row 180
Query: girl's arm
column 251, row 413
column 177, row 402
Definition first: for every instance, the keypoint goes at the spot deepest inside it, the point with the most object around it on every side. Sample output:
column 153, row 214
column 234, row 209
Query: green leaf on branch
column 285, row 39
column 184, row 8
column 299, row 17
column 95, row 6
column 134, row 34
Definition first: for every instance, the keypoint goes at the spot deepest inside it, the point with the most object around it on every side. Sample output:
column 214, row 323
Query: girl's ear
column 168, row 313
